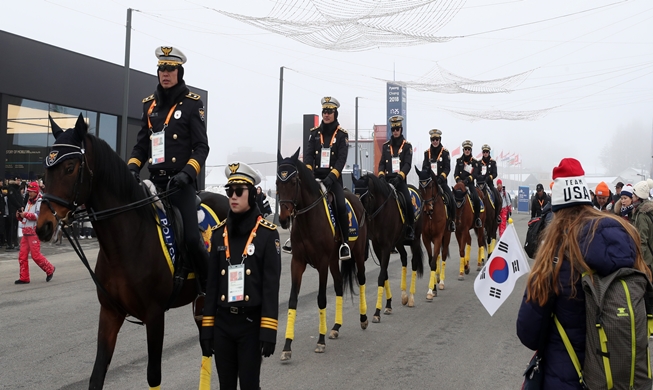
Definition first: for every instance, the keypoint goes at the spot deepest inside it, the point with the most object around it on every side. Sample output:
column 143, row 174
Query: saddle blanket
column 415, row 200
column 353, row 221
column 207, row 221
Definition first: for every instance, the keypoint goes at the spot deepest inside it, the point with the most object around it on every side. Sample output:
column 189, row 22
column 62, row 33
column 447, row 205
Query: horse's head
column 428, row 188
column 67, row 177
column 288, row 183
column 459, row 191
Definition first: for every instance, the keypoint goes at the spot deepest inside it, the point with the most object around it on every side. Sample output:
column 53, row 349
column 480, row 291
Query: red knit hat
column 569, row 187
column 499, row 182
column 33, row 186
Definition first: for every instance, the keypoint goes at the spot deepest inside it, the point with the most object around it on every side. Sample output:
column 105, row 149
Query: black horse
column 131, row 268
column 387, row 231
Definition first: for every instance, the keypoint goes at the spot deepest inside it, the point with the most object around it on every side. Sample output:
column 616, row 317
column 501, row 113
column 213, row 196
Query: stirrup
column 452, row 226
column 478, row 223
column 286, row 247
column 344, row 253
column 498, row 220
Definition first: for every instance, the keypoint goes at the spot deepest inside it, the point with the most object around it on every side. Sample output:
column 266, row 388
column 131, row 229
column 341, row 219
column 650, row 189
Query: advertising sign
column 396, row 98
column 523, row 199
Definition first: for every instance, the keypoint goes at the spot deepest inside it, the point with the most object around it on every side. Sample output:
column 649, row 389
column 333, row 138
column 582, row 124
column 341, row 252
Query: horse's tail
column 348, row 272
column 416, row 250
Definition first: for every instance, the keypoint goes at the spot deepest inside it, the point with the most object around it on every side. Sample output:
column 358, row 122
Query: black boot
column 452, row 225
column 201, row 264
column 344, row 252
column 477, row 211
column 410, row 231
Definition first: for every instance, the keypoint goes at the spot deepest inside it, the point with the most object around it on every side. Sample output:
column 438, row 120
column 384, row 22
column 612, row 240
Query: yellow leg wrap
column 442, row 267
column 432, row 280
column 403, row 279
column 205, row 373
column 323, row 327
column 437, row 263
column 362, row 304
column 468, row 251
column 290, row 324
column 388, row 293
column 462, row 265
column 413, row 279
column 481, row 255
column 339, row 310
column 379, row 298
column 492, row 245
column 156, row 388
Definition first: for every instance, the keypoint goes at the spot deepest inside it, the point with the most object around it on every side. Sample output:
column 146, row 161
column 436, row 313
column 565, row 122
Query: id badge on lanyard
column 236, row 285
column 396, row 164
column 158, row 147
column 434, row 167
column 325, row 158
column 483, row 170
column 469, row 168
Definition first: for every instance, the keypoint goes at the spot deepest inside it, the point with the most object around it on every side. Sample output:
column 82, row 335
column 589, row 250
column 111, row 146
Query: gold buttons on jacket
column 223, row 272
column 246, row 298
column 150, row 160
column 174, row 136
column 150, row 137
column 249, row 271
column 222, row 298
column 174, row 159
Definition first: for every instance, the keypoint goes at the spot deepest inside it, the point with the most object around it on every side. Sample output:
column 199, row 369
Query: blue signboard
column 523, row 199
column 396, row 98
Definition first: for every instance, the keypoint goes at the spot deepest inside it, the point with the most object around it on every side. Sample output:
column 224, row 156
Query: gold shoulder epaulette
column 445, row 149
column 341, row 129
column 314, row 128
column 193, row 96
column 265, row 223
column 147, row 99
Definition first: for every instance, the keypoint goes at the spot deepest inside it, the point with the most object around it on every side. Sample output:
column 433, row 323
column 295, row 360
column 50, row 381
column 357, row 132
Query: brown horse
column 465, row 222
column 492, row 211
column 387, row 231
column 435, row 234
column 315, row 242
column 132, row 272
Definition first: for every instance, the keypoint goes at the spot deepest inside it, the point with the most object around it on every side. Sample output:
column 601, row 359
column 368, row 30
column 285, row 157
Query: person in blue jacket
column 579, row 238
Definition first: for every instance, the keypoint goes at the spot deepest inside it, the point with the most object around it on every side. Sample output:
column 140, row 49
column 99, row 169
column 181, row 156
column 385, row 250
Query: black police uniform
column 399, row 147
column 442, row 159
column 490, row 171
column 460, row 174
column 186, row 149
column 237, row 329
column 339, row 145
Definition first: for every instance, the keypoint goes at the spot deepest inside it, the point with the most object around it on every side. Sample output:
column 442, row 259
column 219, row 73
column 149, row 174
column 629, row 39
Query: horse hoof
column 441, row 286
column 411, row 300
column 404, row 298
column 334, row 334
column 375, row 319
column 286, row 355
column 461, row 276
column 478, row 268
column 387, row 310
column 320, row 348
column 429, row 296
column 364, row 324
column 466, row 270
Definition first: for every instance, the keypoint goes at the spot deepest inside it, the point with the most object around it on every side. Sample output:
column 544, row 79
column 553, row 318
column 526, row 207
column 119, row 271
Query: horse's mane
column 379, row 184
column 110, row 170
column 307, row 177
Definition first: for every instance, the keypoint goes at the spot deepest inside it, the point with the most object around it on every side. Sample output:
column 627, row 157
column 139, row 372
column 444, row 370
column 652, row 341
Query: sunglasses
column 486, row 151
column 396, row 129
column 167, row 68
column 328, row 111
column 238, row 191
column 435, row 139
column 467, row 149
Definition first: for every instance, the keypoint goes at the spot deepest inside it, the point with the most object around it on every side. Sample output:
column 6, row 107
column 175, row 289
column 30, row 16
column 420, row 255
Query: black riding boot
column 410, row 221
column 451, row 212
column 344, row 252
column 477, row 207
column 200, row 261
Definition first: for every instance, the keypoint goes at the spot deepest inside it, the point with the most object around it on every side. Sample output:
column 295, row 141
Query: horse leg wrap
column 432, row 280
column 156, row 387
column 388, row 293
column 492, row 244
column 362, row 304
column 413, row 279
column 468, row 251
column 379, row 298
column 462, row 265
column 290, row 324
column 323, row 326
column 339, row 310
column 481, row 255
column 205, row 373
column 403, row 279
column 444, row 265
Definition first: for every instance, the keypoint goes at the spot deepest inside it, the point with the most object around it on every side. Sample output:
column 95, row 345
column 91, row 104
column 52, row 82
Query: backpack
column 535, row 228
column 619, row 322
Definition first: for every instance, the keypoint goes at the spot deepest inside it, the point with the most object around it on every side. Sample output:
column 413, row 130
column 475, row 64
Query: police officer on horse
column 395, row 164
column 487, row 173
column 467, row 171
column 437, row 158
column 326, row 155
column 242, row 298
column 174, row 142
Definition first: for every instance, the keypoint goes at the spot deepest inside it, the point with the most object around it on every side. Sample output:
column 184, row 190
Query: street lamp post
column 276, row 206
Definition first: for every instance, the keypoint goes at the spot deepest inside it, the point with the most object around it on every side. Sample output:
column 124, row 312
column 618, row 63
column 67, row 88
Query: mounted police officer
column 466, row 171
column 242, row 298
column 395, row 164
column 437, row 158
column 487, row 168
column 174, row 142
column 326, row 156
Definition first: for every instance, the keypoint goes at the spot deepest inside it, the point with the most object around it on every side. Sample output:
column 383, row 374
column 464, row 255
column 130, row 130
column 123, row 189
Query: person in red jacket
column 29, row 243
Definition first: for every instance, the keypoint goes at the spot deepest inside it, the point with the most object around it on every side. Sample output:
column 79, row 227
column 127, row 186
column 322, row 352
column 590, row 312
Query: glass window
column 108, row 129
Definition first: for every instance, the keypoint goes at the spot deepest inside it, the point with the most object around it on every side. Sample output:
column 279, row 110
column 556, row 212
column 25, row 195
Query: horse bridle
column 431, row 200
column 371, row 216
column 295, row 211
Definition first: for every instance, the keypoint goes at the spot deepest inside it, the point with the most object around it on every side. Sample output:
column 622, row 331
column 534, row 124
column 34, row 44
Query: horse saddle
column 415, row 202
column 488, row 193
column 460, row 202
column 330, row 206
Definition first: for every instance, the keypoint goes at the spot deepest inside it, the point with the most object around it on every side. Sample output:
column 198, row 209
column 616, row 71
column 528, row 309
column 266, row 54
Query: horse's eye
column 70, row 169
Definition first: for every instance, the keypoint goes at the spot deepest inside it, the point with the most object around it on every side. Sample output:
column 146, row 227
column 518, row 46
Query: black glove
column 182, row 179
column 441, row 180
column 470, row 180
column 136, row 176
column 395, row 181
column 488, row 180
column 267, row 348
column 207, row 347
column 328, row 182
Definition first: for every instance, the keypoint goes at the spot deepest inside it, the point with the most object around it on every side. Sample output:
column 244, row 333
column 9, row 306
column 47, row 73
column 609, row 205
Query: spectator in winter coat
column 642, row 219
column 624, row 206
column 506, row 209
column 539, row 201
column 617, row 189
column 578, row 239
column 603, row 197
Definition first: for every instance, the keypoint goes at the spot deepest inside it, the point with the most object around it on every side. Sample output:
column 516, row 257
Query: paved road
column 48, row 335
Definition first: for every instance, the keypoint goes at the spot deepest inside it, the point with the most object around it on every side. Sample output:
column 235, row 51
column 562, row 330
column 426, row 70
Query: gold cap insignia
column 284, row 174
column 53, row 156
column 166, row 50
column 234, row 167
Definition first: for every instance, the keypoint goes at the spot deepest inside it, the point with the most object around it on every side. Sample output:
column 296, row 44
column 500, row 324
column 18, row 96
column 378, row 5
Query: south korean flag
column 497, row 278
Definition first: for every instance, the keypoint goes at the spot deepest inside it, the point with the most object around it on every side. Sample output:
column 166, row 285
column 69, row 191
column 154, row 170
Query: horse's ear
column 418, row 171
column 279, row 157
column 81, row 128
column 296, row 155
column 56, row 130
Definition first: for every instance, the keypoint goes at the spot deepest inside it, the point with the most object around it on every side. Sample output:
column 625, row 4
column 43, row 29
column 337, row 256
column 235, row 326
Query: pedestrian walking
column 506, row 209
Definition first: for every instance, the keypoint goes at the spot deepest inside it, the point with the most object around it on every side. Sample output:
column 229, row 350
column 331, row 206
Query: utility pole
column 356, row 172
column 276, row 207
column 125, row 95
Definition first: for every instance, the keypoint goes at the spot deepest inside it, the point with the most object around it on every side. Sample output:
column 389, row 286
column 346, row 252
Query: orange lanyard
column 249, row 241
column 149, row 112
column 333, row 137
column 441, row 149
column 541, row 203
column 400, row 149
